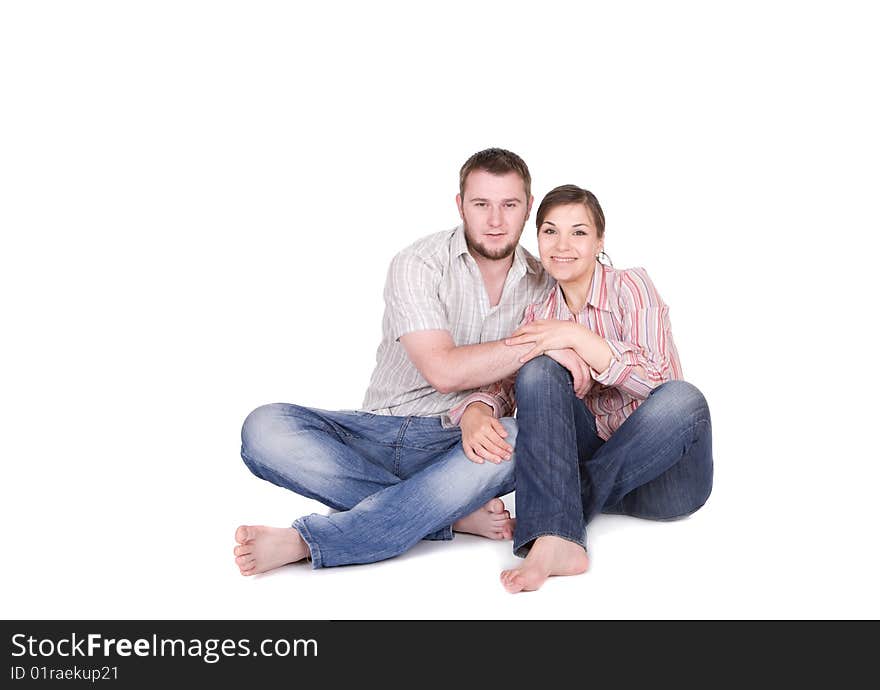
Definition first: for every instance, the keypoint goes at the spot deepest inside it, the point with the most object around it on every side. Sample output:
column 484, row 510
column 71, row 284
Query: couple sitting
column 475, row 327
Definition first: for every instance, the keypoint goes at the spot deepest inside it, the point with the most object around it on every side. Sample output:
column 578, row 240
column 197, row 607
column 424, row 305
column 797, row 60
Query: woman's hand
column 548, row 334
column 580, row 371
column 482, row 436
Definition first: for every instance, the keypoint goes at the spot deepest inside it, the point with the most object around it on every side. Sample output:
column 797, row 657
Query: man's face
column 494, row 210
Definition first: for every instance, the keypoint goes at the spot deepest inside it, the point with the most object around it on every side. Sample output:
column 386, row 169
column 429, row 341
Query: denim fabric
column 657, row 465
column 396, row 480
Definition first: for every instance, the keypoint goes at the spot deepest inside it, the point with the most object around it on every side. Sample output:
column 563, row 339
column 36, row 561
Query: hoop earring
column 604, row 259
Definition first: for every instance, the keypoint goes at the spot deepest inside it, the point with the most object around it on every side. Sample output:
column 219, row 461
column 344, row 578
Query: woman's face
column 568, row 244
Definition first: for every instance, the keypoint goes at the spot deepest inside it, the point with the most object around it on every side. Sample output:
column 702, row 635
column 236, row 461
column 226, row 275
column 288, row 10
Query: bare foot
column 490, row 521
column 549, row 556
column 265, row 548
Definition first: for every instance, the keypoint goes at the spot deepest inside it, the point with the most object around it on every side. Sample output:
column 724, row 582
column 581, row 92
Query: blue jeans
column 396, row 480
column 657, row 465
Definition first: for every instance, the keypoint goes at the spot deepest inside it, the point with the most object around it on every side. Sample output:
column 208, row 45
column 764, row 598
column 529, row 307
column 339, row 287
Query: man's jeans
column 396, row 479
column 657, row 465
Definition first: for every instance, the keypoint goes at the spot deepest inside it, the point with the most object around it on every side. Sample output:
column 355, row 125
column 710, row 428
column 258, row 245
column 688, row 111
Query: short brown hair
column 572, row 194
column 497, row 162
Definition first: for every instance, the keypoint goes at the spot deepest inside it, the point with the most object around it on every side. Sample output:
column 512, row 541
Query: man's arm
column 418, row 319
column 449, row 368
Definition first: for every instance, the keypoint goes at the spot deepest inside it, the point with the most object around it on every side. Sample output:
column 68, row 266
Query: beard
column 491, row 254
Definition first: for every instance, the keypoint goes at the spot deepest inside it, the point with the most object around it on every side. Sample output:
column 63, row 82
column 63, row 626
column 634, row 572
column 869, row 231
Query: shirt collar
column 520, row 258
column 520, row 265
column 597, row 295
column 459, row 243
column 558, row 306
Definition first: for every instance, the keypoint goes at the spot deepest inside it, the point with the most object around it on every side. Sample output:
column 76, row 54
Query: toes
column 242, row 550
column 515, row 583
column 511, row 581
column 247, row 566
column 503, row 528
column 511, row 573
column 242, row 534
column 496, row 505
column 501, row 518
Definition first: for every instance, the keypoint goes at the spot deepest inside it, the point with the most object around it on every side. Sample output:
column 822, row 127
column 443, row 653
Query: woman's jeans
column 396, row 480
column 657, row 465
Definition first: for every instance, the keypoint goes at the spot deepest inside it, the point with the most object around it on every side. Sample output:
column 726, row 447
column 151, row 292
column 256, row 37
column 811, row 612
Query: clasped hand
column 546, row 334
column 556, row 339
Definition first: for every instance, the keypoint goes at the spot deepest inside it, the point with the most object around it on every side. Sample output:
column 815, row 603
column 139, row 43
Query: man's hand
column 580, row 370
column 482, row 436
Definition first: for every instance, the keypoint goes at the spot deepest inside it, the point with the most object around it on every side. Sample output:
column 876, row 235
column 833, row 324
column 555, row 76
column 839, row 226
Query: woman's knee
column 705, row 475
column 540, row 371
column 678, row 411
column 682, row 400
column 700, row 469
column 691, row 494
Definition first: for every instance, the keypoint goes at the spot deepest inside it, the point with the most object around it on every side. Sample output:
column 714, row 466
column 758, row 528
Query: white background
column 198, row 203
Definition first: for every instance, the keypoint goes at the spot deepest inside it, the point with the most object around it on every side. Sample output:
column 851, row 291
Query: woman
column 636, row 441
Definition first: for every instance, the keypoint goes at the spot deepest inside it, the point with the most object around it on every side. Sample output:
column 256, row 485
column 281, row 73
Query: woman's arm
column 637, row 357
column 643, row 353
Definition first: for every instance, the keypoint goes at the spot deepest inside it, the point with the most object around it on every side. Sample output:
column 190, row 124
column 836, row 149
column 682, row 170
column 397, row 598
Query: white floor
column 157, row 543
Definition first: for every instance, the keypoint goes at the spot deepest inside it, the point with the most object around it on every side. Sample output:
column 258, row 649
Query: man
column 396, row 470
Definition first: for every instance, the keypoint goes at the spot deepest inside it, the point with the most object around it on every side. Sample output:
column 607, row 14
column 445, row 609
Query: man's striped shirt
column 435, row 284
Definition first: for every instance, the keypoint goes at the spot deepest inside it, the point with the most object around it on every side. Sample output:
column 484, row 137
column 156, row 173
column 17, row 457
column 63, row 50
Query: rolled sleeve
column 498, row 396
column 621, row 372
column 457, row 412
